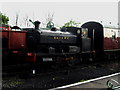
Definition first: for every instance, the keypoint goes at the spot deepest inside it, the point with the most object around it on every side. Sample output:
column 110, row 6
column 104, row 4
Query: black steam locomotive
column 66, row 41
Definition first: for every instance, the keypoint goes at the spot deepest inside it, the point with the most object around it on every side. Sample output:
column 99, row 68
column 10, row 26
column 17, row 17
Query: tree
column 3, row 19
column 71, row 23
column 49, row 20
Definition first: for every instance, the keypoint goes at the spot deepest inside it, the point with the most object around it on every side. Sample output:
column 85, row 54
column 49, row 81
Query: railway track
column 48, row 76
column 49, row 68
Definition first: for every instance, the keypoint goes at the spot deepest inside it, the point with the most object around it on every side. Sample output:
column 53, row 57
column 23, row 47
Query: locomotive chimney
column 37, row 23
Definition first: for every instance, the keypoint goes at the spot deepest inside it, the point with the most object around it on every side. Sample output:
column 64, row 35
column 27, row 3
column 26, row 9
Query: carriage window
column 114, row 35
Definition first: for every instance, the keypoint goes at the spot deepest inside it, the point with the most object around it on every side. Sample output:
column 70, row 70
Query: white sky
column 63, row 11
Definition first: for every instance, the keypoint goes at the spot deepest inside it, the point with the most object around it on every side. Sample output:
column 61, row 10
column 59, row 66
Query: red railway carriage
column 12, row 39
column 111, row 42
column 4, row 27
column 111, row 39
column 14, row 45
column 15, row 40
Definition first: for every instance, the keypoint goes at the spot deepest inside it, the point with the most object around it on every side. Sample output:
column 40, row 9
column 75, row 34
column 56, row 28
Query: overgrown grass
column 82, row 80
column 11, row 83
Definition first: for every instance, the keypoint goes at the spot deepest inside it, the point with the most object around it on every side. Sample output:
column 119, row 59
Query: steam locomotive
column 58, row 42
column 39, row 45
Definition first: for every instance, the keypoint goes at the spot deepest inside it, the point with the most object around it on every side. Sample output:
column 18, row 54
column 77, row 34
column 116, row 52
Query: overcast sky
column 63, row 11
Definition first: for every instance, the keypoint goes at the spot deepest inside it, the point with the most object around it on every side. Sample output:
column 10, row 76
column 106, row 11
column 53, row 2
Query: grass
column 12, row 82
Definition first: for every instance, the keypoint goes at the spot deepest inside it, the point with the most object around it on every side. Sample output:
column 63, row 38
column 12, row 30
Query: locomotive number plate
column 47, row 59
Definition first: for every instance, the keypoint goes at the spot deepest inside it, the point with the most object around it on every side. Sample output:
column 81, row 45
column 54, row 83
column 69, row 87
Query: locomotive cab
column 83, row 40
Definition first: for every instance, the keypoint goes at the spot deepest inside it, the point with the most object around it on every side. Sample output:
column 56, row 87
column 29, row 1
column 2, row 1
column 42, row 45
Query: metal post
column 93, row 38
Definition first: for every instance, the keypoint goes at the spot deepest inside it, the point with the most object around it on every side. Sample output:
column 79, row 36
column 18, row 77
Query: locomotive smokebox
column 37, row 23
